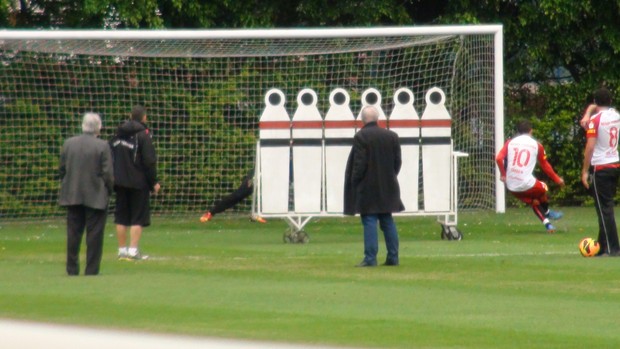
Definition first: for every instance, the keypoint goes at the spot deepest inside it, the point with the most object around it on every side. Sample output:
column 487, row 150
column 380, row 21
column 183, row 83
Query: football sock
column 133, row 251
column 122, row 250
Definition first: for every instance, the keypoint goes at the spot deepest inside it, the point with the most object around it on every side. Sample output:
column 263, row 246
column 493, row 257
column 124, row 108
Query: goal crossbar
column 246, row 33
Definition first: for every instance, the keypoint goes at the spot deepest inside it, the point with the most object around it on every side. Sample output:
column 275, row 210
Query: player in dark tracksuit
column 243, row 191
column 135, row 174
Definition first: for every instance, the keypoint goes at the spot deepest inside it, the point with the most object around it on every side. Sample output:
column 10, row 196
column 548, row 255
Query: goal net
column 204, row 93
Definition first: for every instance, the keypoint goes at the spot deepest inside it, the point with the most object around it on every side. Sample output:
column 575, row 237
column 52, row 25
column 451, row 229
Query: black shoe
column 391, row 263
column 367, row 264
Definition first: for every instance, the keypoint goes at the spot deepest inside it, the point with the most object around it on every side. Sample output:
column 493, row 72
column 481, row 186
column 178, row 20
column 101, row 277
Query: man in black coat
column 371, row 186
column 87, row 181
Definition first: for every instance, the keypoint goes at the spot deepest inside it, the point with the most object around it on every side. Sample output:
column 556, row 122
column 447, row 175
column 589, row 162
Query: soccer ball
column 589, row 247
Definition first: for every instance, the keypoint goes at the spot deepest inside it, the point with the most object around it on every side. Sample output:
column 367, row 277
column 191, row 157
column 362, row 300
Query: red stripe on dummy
column 274, row 125
column 340, row 124
column 436, row 123
column 307, row 124
column 404, row 123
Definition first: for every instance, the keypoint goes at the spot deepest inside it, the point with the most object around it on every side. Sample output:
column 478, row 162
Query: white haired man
column 371, row 186
column 87, row 179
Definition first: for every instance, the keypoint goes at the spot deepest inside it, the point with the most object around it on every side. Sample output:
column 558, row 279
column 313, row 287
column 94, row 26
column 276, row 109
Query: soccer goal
column 204, row 91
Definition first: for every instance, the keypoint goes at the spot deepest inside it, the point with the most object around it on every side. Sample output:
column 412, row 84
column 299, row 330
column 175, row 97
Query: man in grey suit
column 87, row 178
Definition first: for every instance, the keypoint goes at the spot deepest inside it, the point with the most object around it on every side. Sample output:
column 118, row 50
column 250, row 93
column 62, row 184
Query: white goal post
column 204, row 93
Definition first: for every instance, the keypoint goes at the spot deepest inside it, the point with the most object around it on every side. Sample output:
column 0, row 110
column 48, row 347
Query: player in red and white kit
column 516, row 161
column 601, row 166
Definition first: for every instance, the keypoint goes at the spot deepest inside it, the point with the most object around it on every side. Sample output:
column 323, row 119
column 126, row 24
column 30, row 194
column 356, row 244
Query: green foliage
column 541, row 36
column 5, row 13
column 201, row 14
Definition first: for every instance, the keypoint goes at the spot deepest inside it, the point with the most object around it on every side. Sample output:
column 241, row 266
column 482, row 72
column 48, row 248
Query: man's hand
column 585, row 179
column 586, row 115
column 156, row 188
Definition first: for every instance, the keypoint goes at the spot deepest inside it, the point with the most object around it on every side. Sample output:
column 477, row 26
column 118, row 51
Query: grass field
column 508, row 284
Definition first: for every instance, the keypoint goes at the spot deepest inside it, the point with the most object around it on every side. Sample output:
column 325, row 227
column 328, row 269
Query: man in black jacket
column 87, row 181
column 371, row 186
column 135, row 174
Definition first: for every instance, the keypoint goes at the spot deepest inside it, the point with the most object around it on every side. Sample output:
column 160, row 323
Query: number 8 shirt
column 604, row 126
column 519, row 156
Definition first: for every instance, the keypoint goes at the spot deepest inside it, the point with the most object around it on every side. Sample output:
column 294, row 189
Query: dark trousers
column 604, row 186
column 245, row 189
column 80, row 218
column 371, row 239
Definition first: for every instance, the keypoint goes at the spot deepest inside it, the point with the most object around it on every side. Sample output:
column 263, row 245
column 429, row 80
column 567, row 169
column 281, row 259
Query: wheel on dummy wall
column 288, row 237
column 449, row 232
column 296, row 237
column 302, row 237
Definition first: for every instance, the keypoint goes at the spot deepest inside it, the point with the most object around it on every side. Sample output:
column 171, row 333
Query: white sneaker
column 137, row 257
